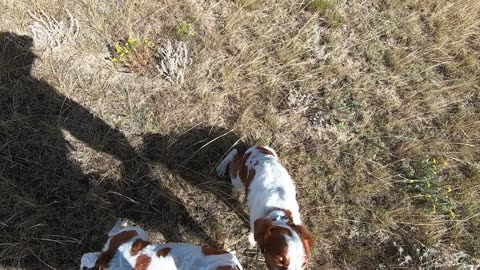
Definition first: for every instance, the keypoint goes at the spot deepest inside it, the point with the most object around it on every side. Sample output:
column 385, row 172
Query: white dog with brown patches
column 274, row 213
column 128, row 248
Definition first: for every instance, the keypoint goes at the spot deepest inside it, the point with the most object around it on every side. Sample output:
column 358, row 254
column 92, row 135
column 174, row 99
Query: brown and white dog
column 127, row 248
column 275, row 222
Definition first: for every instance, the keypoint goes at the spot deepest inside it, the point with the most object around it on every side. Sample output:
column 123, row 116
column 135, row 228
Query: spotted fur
column 128, row 248
column 274, row 212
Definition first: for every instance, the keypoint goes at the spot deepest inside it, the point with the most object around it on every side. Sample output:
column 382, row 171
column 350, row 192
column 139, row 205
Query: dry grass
column 348, row 92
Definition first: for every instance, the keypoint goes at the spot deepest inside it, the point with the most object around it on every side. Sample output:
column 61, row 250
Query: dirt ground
column 123, row 108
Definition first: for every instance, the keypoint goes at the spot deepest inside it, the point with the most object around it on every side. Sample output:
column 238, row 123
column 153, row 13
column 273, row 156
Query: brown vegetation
column 358, row 98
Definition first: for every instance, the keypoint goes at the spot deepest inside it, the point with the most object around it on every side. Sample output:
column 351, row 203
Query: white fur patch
column 88, row 260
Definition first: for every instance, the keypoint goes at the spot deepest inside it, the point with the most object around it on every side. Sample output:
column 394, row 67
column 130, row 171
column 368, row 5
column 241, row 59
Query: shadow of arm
column 95, row 132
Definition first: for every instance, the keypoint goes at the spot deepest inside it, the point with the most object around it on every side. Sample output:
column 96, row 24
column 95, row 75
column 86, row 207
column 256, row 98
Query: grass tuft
column 185, row 30
column 320, row 5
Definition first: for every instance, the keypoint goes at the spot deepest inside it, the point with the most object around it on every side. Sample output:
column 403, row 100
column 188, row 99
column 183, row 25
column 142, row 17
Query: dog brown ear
column 262, row 230
column 305, row 236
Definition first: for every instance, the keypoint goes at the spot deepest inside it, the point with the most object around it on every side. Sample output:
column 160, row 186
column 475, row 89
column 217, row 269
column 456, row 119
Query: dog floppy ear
column 262, row 231
column 305, row 236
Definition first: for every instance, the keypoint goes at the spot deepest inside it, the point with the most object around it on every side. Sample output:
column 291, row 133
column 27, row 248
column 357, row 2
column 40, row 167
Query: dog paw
column 221, row 169
column 119, row 224
column 122, row 222
column 88, row 260
column 251, row 240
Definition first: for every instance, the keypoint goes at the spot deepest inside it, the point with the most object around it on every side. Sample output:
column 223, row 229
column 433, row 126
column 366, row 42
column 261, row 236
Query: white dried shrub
column 173, row 60
column 439, row 257
column 298, row 102
column 446, row 258
column 47, row 31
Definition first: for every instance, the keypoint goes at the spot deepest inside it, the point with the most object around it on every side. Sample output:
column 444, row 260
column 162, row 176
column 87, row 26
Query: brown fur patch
column 235, row 166
column 212, row 251
column 305, row 236
column 307, row 239
column 224, row 267
column 142, row 263
column 239, row 168
column 243, row 173
column 163, row 252
column 271, row 240
column 289, row 214
column 264, row 150
column 138, row 245
column 115, row 242
column 249, row 179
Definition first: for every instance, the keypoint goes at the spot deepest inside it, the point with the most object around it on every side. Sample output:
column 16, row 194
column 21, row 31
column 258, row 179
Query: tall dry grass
column 348, row 92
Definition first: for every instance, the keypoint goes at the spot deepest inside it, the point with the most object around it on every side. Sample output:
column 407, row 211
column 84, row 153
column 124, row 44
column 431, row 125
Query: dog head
column 285, row 246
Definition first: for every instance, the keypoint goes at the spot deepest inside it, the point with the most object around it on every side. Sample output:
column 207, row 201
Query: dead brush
column 173, row 60
column 298, row 102
column 437, row 257
column 48, row 31
column 390, row 81
column 169, row 59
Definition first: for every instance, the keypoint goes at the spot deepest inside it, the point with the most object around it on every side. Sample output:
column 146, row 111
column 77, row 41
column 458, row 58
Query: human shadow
column 50, row 211
column 193, row 155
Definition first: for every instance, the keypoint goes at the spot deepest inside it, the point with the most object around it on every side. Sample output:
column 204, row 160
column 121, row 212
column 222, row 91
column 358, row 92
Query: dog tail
column 222, row 168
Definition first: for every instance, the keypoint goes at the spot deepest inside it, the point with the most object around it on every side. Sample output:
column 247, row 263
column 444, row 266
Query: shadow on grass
column 50, row 211
column 193, row 155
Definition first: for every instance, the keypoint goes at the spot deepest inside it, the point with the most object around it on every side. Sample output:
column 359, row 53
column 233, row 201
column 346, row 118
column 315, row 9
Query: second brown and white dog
column 274, row 213
column 128, row 248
